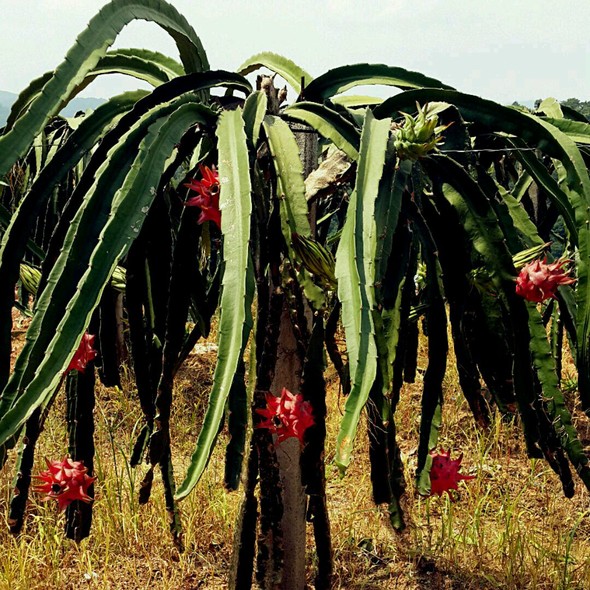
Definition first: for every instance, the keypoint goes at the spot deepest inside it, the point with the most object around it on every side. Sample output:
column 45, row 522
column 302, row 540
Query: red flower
column 286, row 416
column 444, row 473
column 208, row 195
column 83, row 355
column 65, row 481
column 538, row 280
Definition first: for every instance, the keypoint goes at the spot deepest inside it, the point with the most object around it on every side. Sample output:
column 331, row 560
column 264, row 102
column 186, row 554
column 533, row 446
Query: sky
column 504, row 50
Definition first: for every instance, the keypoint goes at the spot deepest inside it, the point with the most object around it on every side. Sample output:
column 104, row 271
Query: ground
column 509, row 528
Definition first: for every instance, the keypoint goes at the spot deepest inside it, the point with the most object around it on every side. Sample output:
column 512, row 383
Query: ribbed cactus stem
column 23, row 472
column 80, row 417
column 313, row 469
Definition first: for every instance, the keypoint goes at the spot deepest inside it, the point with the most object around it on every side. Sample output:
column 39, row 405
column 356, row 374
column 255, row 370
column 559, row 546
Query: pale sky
column 504, row 50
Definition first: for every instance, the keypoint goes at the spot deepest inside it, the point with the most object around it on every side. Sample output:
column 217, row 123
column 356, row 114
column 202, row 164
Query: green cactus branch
column 235, row 319
column 355, row 271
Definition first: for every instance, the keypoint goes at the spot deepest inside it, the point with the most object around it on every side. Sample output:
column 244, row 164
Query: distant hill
column 77, row 104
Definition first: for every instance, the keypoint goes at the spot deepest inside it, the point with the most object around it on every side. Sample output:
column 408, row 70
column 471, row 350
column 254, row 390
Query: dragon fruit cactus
column 418, row 135
column 444, row 473
column 538, row 280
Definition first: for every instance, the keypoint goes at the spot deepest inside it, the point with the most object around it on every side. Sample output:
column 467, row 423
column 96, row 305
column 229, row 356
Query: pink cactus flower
column 286, row 416
column 207, row 198
column 538, row 280
column 444, row 473
column 83, row 355
column 65, row 481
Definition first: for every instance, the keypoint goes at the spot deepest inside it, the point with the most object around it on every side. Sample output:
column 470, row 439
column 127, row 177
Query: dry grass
column 509, row 528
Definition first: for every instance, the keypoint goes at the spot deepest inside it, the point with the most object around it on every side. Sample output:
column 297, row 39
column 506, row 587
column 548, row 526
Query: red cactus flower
column 286, row 416
column 538, row 280
column 83, row 355
column 444, row 473
column 65, row 481
column 207, row 197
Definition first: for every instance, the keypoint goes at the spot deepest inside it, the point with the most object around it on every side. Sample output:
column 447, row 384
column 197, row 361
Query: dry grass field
column 509, row 528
